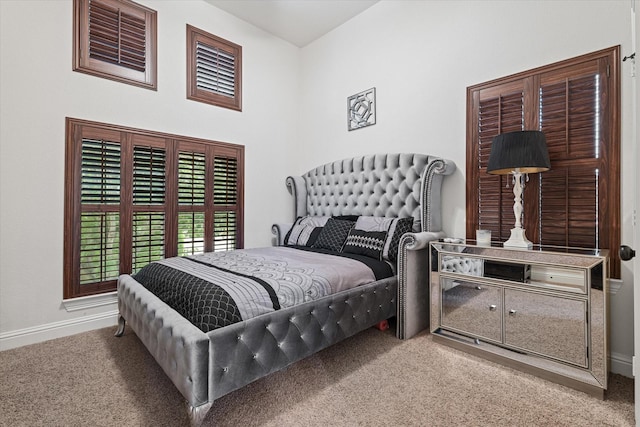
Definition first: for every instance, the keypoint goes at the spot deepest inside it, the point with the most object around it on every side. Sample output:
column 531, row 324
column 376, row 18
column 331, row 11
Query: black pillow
column 333, row 234
column 402, row 226
column 368, row 243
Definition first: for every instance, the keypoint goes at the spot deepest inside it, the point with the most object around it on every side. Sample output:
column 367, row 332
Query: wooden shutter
column 191, row 198
column 135, row 196
column 214, row 69
column 99, row 238
column 149, row 189
column 225, row 199
column 576, row 104
column 497, row 114
column 116, row 39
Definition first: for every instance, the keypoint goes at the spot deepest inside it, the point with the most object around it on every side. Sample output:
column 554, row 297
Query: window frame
column 82, row 62
column 531, row 82
column 78, row 131
column 195, row 36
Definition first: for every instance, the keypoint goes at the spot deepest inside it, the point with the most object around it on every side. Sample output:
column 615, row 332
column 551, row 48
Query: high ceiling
column 298, row 21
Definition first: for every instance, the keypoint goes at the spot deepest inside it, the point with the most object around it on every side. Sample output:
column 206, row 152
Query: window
column 115, row 39
column 214, row 70
column 134, row 196
column 576, row 104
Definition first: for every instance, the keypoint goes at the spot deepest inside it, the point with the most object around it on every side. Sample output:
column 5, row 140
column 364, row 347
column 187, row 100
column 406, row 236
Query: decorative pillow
column 399, row 226
column 305, row 230
column 368, row 243
column 333, row 235
column 353, row 218
column 373, row 223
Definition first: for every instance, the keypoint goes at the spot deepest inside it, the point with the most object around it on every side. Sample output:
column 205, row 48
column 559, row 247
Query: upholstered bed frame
column 206, row 366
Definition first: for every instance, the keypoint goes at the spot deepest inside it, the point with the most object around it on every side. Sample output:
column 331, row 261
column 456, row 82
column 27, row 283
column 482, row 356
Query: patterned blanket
column 217, row 289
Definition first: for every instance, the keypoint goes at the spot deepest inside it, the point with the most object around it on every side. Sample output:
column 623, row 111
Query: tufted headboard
column 385, row 185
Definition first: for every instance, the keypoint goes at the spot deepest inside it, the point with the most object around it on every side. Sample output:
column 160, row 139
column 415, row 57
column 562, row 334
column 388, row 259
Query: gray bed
column 205, row 366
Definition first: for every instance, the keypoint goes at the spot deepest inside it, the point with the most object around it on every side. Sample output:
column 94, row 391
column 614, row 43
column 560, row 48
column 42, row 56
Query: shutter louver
column 569, row 117
column 215, row 70
column 148, row 175
column 225, row 231
column 99, row 247
column 148, row 228
column 225, row 181
column 116, row 37
column 100, row 181
column 148, row 238
column 190, row 233
column 191, row 178
column 496, row 115
column 568, row 202
column 191, row 192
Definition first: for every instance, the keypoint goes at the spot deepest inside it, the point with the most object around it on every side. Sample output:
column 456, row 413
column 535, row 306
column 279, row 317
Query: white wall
column 39, row 89
column 421, row 56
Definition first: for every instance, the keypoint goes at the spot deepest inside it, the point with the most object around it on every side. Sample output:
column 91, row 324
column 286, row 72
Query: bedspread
column 217, row 289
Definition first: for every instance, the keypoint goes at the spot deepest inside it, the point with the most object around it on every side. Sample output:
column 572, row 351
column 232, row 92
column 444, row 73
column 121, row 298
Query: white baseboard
column 621, row 364
column 36, row 334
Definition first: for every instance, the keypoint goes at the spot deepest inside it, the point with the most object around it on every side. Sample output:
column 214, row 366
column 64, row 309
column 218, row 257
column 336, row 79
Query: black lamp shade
column 523, row 150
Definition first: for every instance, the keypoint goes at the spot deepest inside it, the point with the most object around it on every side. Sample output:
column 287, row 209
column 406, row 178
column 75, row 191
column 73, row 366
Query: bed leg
column 198, row 414
column 121, row 324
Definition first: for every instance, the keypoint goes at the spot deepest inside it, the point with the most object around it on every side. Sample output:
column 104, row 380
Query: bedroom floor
column 371, row 379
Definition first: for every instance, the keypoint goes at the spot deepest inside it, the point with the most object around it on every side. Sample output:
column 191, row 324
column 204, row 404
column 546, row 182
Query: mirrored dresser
column 543, row 310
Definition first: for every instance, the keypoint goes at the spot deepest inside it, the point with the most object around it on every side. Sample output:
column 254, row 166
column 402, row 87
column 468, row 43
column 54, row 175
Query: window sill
column 91, row 301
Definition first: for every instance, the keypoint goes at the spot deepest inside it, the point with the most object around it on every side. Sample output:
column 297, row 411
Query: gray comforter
column 216, row 289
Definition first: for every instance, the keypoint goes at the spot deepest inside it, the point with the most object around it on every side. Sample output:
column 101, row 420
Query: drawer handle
column 512, row 312
column 493, row 307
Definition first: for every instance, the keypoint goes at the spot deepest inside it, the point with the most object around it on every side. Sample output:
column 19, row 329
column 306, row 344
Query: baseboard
column 36, row 334
column 621, row 364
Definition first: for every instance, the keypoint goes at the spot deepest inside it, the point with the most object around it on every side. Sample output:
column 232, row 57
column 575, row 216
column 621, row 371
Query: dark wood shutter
column 225, row 199
column 135, row 196
column 191, row 197
column 99, row 250
column 576, row 104
column 116, row 39
column 497, row 113
column 214, row 69
column 149, row 189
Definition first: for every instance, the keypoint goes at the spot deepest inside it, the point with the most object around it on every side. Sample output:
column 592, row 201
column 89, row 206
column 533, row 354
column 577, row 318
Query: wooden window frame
column 530, row 83
column 194, row 92
column 84, row 63
column 129, row 139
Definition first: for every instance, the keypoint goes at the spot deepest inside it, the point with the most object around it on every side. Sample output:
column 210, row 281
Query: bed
column 381, row 188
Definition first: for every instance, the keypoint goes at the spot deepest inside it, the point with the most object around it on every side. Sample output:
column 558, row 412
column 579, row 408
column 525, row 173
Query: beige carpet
column 372, row 379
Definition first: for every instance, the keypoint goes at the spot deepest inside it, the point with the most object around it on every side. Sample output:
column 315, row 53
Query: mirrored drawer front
column 472, row 308
column 549, row 325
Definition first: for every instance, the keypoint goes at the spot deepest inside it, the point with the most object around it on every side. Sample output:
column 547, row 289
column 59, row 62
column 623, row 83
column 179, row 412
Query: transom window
column 214, row 70
column 116, row 39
